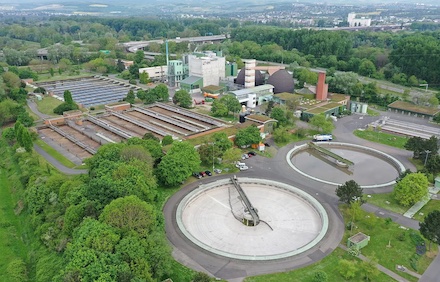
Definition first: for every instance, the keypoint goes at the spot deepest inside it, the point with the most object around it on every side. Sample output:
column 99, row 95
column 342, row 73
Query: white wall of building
column 155, row 72
column 210, row 67
column 353, row 21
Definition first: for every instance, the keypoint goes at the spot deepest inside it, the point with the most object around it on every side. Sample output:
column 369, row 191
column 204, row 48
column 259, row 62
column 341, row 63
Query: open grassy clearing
column 47, row 105
column 389, row 243
column 431, row 206
column 382, row 137
column 329, row 265
column 381, row 200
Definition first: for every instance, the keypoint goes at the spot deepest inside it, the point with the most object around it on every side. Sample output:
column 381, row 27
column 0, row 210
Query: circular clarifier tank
column 370, row 168
column 291, row 221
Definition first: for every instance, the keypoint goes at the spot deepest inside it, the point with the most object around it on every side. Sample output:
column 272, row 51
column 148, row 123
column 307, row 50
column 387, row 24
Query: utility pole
column 426, row 156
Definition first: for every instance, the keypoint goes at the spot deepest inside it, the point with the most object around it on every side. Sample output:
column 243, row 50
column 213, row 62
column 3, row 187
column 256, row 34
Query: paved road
column 33, row 106
column 57, row 164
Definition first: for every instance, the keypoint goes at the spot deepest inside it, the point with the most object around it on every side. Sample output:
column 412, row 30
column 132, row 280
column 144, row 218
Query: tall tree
column 430, row 227
column 248, row 136
column 322, row 123
column 411, row 188
column 68, row 97
column 349, row 192
column 178, row 164
column 130, row 214
column 130, row 97
column 182, row 98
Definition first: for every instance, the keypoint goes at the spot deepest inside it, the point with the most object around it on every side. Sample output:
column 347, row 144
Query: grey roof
column 256, row 89
column 282, row 81
column 259, row 78
column 190, row 80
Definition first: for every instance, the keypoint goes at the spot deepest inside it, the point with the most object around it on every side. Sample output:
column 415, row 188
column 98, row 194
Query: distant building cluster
column 354, row 21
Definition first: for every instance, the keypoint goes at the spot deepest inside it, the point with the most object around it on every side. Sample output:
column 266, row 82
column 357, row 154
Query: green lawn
column 47, row 105
column 382, row 137
column 389, row 243
column 372, row 112
column 431, row 206
column 56, row 155
column 380, row 200
column 12, row 245
column 329, row 265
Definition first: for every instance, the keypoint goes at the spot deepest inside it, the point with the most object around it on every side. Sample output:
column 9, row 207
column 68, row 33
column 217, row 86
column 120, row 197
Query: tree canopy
column 248, row 136
column 430, row 227
column 411, row 189
column 178, row 164
column 349, row 192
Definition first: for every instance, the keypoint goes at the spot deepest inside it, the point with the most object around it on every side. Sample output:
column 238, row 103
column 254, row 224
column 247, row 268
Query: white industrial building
column 208, row 66
column 354, row 21
column 155, row 73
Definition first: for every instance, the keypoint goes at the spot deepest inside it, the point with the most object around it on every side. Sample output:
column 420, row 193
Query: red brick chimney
column 321, row 87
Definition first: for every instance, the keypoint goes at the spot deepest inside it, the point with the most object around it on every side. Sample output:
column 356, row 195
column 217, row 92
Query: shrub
column 132, row 81
column 416, row 238
column 401, row 236
column 413, row 261
column 320, row 276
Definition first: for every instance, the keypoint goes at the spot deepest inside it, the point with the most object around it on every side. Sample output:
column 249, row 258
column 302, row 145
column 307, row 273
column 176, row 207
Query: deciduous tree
column 349, row 192
column 430, row 227
column 182, row 98
column 411, row 188
column 178, row 164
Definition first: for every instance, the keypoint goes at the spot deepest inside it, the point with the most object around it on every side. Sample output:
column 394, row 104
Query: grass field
column 47, row 105
column 55, row 154
column 329, row 265
column 381, row 200
column 12, row 245
column 431, row 206
column 382, row 137
column 389, row 243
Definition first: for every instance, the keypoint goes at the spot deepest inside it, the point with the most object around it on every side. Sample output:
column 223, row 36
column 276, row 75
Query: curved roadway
column 277, row 169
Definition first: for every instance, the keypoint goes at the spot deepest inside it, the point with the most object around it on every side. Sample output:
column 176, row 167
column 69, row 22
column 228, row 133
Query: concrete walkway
column 380, row 267
column 420, row 204
column 397, row 218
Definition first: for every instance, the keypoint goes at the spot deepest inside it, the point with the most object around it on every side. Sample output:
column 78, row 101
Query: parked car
column 197, row 175
column 202, row 173
column 208, row 172
column 244, row 156
column 217, row 170
column 252, row 153
column 266, row 144
column 238, row 164
column 243, row 167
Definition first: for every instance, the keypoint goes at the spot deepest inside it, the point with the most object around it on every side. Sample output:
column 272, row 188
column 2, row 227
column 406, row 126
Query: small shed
column 437, row 182
column 359, row 240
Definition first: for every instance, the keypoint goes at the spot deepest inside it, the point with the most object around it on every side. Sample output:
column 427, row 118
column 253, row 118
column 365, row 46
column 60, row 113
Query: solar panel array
column 89, row 91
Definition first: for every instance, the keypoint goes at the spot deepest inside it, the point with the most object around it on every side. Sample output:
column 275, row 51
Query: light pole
column 426, row 156
column 213, row 157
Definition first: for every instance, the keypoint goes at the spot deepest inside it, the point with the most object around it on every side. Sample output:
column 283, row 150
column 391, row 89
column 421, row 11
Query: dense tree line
column 106, row 225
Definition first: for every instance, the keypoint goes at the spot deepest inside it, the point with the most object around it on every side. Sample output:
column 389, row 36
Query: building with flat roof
column 155, row 73
column 407, row 108
column 208, row 66
column 253, row 96
column 353, row 20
